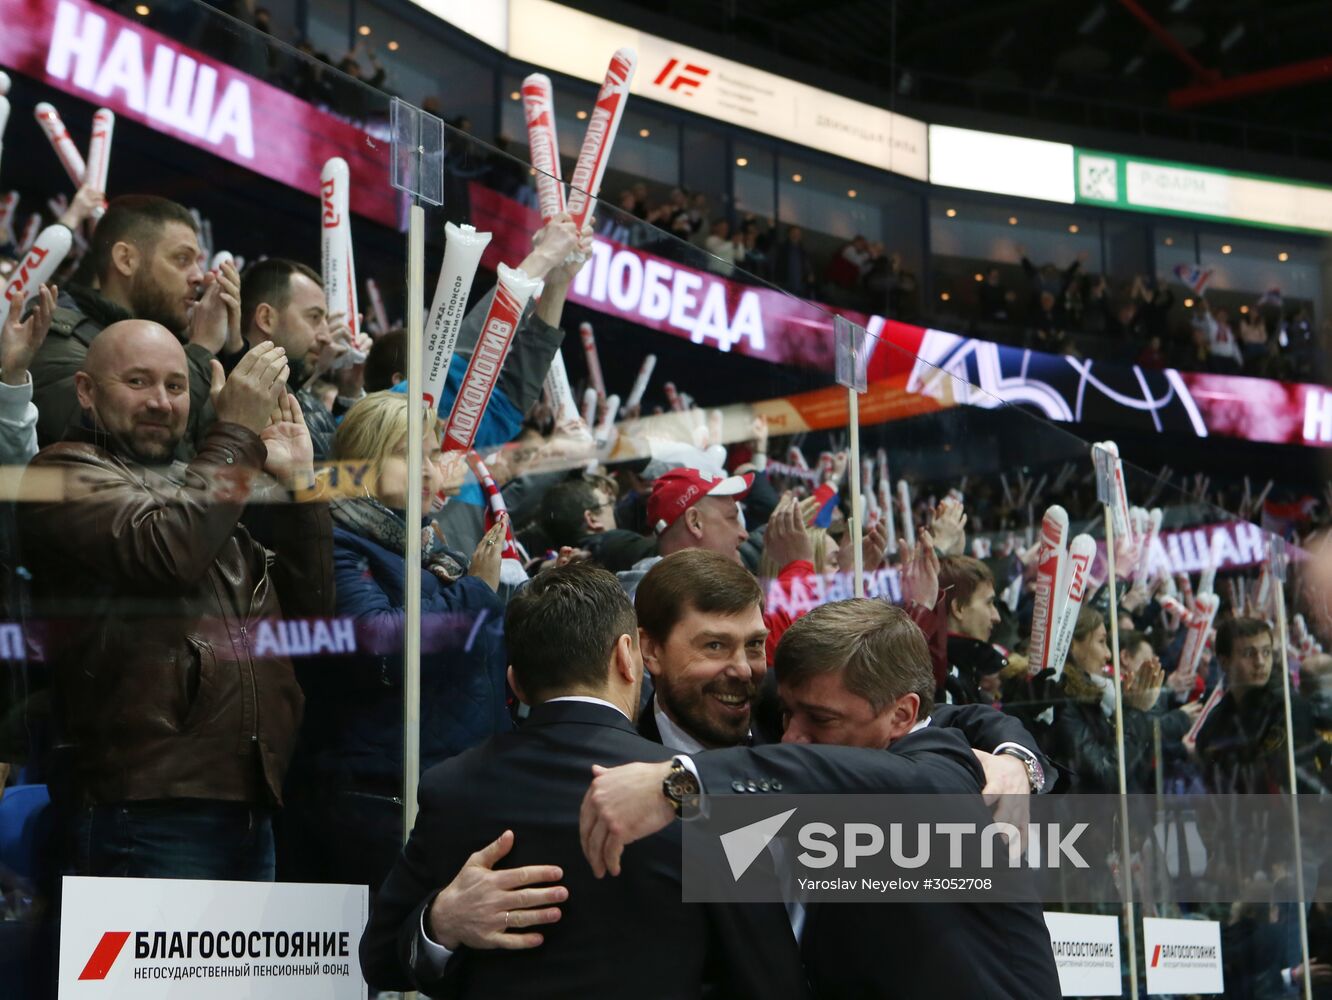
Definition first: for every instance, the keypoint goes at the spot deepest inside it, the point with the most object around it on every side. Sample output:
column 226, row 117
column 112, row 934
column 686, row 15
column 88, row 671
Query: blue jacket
column 500, row 423
column 352, row 734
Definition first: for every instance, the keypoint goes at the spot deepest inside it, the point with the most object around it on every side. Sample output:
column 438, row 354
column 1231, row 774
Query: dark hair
column 562, row 510
column 876, row 647
column 1239, row 628
column 1129, row 641
column 693, row 578
column 388, row 356
column 960, row 577
column 133, row 218
column 269, row 281
column 562, row 627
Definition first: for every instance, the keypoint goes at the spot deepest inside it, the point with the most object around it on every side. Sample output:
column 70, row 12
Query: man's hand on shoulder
column 483, row 906
column 622, row 805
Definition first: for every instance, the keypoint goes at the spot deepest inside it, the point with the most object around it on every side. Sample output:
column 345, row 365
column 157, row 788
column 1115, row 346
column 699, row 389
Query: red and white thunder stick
column 1145, row 548
column 1190, row 739
column 542, row 144
column 1081, row 553
column 1050, row 557
column 46, row 255
column 908, row 515
column 4, row 119
column 1190, row 657
column 593, row 359
column 885, row 491
column 511, row 567
column 607, row 425
column 463, row 247
column 590, row 406
column 561, row 395
column 793, row 454
column 8, row 213
column 376, row 306
column 1171, row 606
column 99, row 154
column 640, row 383
column 512, row 294
column 1186, row 590
column 339, row 267
column 70, row 157
column 602, row 125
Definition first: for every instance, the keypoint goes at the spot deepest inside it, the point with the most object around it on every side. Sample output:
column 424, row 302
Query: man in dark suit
column 701, row 630
column 857, row 674
column 574, row 657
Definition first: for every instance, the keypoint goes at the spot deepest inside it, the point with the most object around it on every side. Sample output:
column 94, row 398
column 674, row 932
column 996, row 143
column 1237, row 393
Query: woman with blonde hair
column 343, row 820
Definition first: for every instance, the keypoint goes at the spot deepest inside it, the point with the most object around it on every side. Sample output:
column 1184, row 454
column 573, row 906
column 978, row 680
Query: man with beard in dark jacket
column 174, row 722
column 143, row 264
column 283, row 303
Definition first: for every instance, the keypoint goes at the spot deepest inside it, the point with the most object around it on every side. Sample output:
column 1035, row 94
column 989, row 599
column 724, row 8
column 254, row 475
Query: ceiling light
column 851, row 193
column 1226, row 248
column 393, row 46
column 143, row 10
column 1073, row 228
column 944, row 296
column 740, row 161
column 1170, row 241
column 978, row 276
column 644, row 133
column 1283, row 256
column 951, row 213
column 515, row 96
column 1012, row 220
column 797, row 178
column 580, row 115
column 363, row 30
column 1188, row 303
column 1244, row 309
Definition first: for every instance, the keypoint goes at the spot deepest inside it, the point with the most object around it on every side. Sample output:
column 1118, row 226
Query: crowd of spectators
column 199, row 455
column 1142, row 320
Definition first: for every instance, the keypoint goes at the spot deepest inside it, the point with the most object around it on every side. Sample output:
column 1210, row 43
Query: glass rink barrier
column 366, row 484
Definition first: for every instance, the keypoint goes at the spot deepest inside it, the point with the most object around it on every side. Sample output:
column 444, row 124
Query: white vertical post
column 857, row 511
column 1125, row 857
column 1279, row 583
column 411, row 640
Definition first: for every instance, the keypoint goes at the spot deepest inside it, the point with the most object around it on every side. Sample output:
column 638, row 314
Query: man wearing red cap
column 690, row 509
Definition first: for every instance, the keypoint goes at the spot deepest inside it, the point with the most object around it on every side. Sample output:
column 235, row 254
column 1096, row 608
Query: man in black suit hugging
column 854, row 674
column 449, row 922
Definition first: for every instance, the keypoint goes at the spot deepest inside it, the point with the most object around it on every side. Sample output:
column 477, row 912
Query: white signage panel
column 1227, row 196
column 577, row 44
column 1086, row 951
column 169, row 938
column 1182, row 956
column 1003, row 164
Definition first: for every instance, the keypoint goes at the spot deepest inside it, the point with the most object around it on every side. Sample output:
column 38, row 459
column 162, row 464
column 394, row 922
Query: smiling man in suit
column 450, row 922
column 855, row 678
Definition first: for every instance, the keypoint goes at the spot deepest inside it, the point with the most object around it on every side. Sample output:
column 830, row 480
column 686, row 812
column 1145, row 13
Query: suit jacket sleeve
column 985, row 728
column 389, row 958
column 941, row 762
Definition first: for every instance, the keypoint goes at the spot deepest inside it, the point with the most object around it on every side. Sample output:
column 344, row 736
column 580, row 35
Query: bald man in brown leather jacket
column 173, row 728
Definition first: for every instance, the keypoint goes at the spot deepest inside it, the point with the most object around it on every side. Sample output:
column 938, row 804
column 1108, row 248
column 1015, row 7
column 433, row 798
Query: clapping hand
column 21, row 338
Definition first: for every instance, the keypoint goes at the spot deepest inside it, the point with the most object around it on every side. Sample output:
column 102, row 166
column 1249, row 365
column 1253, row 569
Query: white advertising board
column 169, row 938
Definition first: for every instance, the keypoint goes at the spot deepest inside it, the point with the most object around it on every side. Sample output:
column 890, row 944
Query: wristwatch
column 1035, row 773
column 680, row 787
